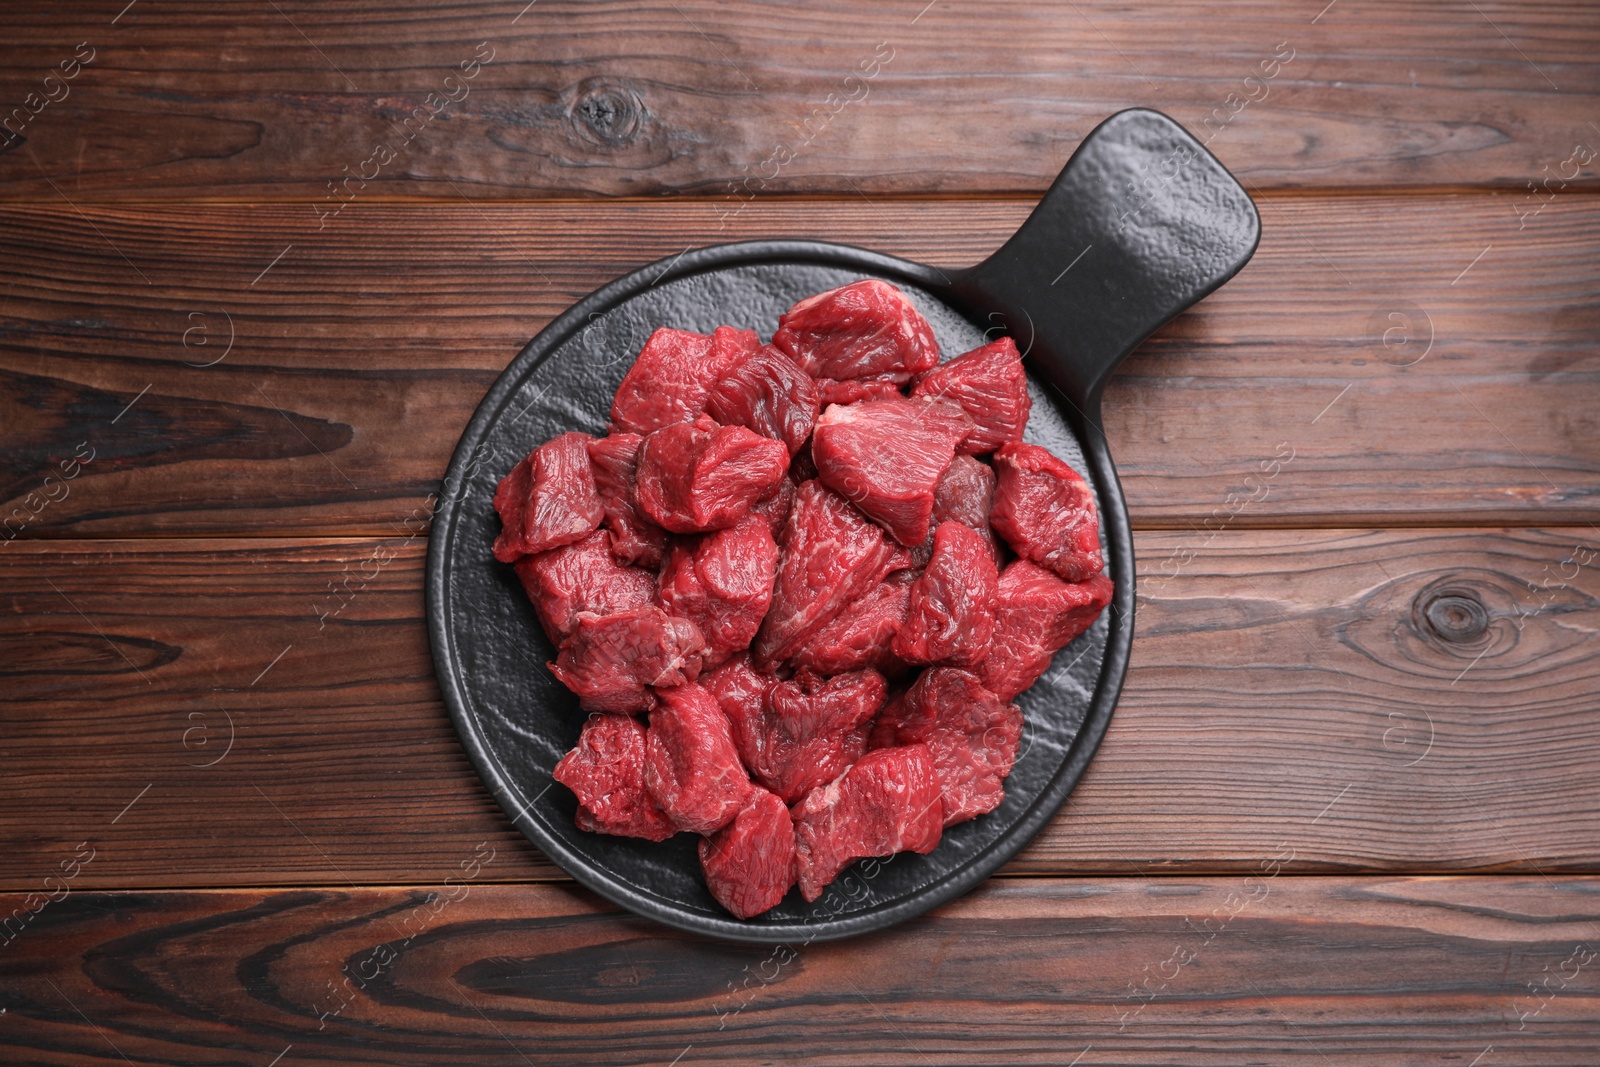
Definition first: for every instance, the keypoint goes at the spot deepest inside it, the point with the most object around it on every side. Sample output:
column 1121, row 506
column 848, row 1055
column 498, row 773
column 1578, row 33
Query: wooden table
column 259, row 261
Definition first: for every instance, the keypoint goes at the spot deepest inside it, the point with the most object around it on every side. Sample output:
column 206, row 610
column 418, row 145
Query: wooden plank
column 1287, row 691
column 1265, row 968
column 731, row 101
column 1432, row 376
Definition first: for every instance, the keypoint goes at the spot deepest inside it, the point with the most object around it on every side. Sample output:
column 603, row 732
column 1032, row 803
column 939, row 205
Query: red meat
column 951, row 615
column 691, row 767
column 991, row 387
column 634, row 538
column 965, row 494
column 1046, row 512
column 741, row 693
column 861, row 636
column 866, row 327
column 698, row 476
column 672, row 378
column 773, row 509
column 611, row 660
column 1036, row 615
column 972, row 734
column 582, row 576
column 829, row 557
column 802, row 733
column 888, row 801
column 722, row 582
column 872, row 387
column 606, row 771
column 749, row 863
column 810, row 706
column 767, row 393
column 887, row 456
column 547, row 500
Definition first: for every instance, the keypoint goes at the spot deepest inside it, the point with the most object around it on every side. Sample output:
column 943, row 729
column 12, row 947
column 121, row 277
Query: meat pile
column 795, row 562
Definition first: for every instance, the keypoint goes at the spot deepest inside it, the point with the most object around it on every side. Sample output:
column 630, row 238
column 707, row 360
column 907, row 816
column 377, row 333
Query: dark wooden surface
column 1345, row 812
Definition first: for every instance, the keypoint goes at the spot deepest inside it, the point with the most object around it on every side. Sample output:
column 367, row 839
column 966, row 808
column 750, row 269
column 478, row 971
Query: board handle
column 1141, row 223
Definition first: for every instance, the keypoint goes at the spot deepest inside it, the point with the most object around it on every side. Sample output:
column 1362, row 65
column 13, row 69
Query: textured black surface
column 516, row 721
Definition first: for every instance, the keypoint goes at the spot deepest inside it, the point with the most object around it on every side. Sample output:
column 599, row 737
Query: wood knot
column 606, row 112
column 1454, row 614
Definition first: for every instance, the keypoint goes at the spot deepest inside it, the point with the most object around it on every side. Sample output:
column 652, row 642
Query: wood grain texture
column 1365, row 700
column 1422, row 358
column 729, row 100
column 1267, row 969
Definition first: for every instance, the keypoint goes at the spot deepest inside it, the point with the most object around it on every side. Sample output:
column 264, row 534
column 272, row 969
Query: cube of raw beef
column 773, row 509
column 698, row 476
column 769, row 394
column 887, row 802
column 582, row 576
column 741, row 692
column 991, row 387
column 672, row 378
column 634, row 538
column 951, row 615
column 1046, row 512
column 887, row 456
column 828, row 557
column 691, row 766
column 872, row 387
column 610, row 661
column 547, row 500
column 1036, row 615
column 809, row 705
column 606, row 771
column 965, row 494
column 861, row 636
column 972, row 734
column 722, row 582
column 866, row 327
column 749, row 863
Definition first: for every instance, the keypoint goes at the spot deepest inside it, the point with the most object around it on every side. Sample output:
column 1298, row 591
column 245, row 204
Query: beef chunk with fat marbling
column 611, row 661
column 547, row 500
column 606, row 772
column 691, row 767
column 698, row 476
column 749, row 863
column 965, row 494
column 862, row 635
column 972, row 734
column 864, row 328
column 950, row 618
column 1046, row 512
column 769, row 394
column 582, row 577
column 672, row 377
column 1036, row 615
column 991, row 387
column 722, row 582
column 634, row 538
column 872, row 387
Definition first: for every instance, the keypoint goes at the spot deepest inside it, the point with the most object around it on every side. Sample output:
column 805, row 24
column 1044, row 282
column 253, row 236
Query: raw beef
column 741, row 693
column 773, row 509
column 611, row 660
column 951, row 615
column 606, row 771
column 802, row 733
column 991, row 387
column 1036, row 615
column 965, row 494
column 872, row 387
column 829, row 557
column 691, row 767
column 698, row 476
column 749, row 864
column 972, row 734
column 866, row 327
column 767, row 393
column 582, row 576
column 672, row 378
column 634, row 538
column 722, row 582
column 1046, row 512
column 888, row 801
column 861, row 636
column 887, row 456
column 547, row 500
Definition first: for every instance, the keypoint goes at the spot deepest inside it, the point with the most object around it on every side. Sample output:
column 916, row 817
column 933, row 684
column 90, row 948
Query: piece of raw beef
column 611, row 661
column 582, row 576
column 749, row 863
column 965, row 494
column 691, row 767
column 864, row 328
column 872, row 387
column 773, row 509
column 547, row 500
column 1036, row 615
column 1046, row 512
column 861, row 636
column 698, row 476
column 951, row 615
column 769, row 394
column 991, row 387
column 606, row 771
column 722, row 582
column 887, row 802
column 672, row 378
column 634, row 538
column 829, row 556
column 887, row 456
column 972, row 734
